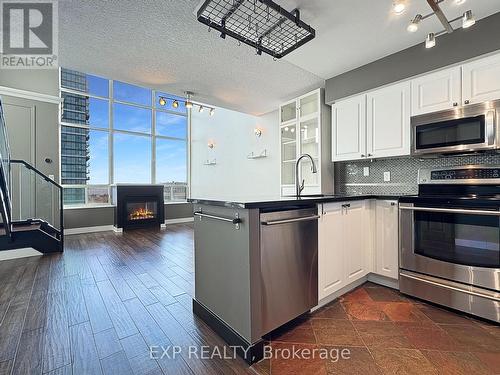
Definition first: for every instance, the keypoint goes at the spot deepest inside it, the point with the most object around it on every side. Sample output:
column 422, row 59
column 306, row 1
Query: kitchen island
column 256, row 264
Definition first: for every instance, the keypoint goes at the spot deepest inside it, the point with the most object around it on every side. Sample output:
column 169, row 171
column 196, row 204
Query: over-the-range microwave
column 471, row 128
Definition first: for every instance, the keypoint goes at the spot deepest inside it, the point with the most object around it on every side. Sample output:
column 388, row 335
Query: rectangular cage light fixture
column 261, row 24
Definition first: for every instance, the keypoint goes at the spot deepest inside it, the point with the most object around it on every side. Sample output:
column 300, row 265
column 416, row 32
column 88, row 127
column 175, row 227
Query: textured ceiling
column 352, row 33
column 160, row 44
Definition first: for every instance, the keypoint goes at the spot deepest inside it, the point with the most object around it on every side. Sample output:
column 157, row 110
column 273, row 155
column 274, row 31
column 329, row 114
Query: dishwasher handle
column 293, row 220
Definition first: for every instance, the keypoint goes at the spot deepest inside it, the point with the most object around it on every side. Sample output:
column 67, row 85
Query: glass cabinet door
column 288, row 112
column 309, row 144
column 308, row 105
column 288, row 154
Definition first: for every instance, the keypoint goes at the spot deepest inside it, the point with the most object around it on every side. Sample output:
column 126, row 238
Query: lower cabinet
column 344, row 245
column 386, row 238
column 356, row 238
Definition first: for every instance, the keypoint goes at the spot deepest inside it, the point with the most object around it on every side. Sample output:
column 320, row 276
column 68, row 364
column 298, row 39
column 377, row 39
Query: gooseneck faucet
column 300, row 186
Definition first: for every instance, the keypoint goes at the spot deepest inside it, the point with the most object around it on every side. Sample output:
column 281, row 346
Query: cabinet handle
column 467, row 101
column 455, row 104
column 363, row 155
column 393, row 203
column 370, row 155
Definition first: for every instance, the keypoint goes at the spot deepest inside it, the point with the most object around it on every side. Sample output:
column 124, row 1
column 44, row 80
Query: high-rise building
column 74, row 141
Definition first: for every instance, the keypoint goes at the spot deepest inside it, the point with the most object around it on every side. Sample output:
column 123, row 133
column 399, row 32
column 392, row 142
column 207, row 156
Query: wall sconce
column 257, row 132
column 211, row 145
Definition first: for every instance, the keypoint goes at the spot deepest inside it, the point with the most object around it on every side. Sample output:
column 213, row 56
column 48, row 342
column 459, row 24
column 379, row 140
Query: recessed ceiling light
column 398, row 6
column 413, row 26
column 430, row 41
column 468, row 19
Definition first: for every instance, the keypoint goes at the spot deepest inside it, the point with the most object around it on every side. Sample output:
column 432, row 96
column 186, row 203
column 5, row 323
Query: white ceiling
column 352, row 33
column 160, row 44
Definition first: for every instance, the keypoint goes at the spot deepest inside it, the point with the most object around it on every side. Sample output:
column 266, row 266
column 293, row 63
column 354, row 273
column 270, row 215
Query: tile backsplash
column 349, row 178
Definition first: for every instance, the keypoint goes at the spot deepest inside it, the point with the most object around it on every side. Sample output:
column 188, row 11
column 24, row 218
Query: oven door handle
column 452, row 210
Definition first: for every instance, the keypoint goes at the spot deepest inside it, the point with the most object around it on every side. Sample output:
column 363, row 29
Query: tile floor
column 385, row 332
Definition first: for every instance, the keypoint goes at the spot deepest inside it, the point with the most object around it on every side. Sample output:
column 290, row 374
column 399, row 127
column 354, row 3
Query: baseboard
column 19, row 253
column 179, row 220
column 384, row 281
column 97, row 228
column 344, row 290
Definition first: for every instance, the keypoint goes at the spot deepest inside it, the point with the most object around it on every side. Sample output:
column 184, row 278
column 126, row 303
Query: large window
column 115, row 132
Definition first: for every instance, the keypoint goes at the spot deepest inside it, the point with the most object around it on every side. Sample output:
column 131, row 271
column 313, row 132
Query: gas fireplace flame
column 141, row 214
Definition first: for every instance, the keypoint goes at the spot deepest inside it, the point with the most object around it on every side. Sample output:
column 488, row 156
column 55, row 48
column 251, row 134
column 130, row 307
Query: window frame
column 112, row 131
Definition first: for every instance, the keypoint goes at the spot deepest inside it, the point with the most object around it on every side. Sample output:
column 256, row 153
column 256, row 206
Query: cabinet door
column 288, row 142
column 386, row 239
column 349, row 129
column 436, row 91
column 288, row 112
column 481, row 80
column 388, row 121
column 356, row 232
column 330, row 252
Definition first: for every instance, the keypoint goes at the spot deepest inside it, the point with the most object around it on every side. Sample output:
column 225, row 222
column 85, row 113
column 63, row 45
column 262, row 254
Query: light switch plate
column 387, row 176
column 366, row 171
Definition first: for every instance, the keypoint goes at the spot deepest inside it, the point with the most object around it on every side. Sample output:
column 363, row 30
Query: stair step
column 25, row 227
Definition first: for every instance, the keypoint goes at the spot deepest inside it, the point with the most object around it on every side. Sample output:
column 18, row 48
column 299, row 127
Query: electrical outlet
column 366, row 171
column 387, row 176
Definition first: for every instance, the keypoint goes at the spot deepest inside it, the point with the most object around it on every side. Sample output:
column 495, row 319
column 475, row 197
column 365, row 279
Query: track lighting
column 398, row 6
column 162, row 101
column 175, row 104
column 189, row 104
column 468, row 19
column 201, row 109
column 212, row 111
column 413, row 26
column 430, row 41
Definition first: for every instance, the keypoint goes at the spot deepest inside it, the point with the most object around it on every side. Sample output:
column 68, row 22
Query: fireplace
column 138, row 206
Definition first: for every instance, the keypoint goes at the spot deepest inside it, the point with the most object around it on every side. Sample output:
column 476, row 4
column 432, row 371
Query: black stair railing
column 36, row 197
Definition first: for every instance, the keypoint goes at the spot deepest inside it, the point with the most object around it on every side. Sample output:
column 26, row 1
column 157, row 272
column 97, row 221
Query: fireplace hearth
column 138, row 206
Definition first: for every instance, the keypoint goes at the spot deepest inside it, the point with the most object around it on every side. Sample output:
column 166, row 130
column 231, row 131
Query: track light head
column 398, row 6
column 468, row 19
column 212, row 111
column 162, row 101
column 430, row 41
column 413, row 26
column 175, row 104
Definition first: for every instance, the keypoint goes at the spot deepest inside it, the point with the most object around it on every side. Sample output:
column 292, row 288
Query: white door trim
column 25, row 94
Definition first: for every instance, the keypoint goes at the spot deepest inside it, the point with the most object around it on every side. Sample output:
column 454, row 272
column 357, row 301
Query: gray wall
column 453, row 48
column 44, row 81
column 98, row 216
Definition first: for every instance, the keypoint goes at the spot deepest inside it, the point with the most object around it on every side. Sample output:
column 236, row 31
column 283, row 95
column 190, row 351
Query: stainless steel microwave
column 471, row 128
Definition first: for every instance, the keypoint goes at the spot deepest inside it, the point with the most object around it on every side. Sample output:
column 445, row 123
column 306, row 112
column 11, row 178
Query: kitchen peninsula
column 256, row 260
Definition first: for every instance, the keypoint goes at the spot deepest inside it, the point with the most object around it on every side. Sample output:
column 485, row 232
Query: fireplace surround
column 138, row 206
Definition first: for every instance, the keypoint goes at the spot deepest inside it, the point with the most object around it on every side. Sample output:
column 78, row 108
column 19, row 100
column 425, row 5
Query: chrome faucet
column 298, row 186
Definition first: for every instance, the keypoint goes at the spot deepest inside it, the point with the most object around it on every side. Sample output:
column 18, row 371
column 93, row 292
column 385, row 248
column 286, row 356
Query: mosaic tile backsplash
column 349, row 177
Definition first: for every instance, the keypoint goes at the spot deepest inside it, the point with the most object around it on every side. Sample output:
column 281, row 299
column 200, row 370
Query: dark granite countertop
column 276, row 202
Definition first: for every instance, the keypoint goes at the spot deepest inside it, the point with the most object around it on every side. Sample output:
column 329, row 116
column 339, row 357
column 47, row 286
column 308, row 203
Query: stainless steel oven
column 471, row 128
column 450, row 240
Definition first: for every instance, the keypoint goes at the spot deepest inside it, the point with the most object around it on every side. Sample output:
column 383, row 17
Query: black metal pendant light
column 261, row 24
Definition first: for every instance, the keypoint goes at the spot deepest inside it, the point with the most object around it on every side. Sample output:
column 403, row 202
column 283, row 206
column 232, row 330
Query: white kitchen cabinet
column 305, row 129
column 386, row 238
column 331, row 252
column 344, row 247
column 436, row 91
column 481, row 80
column 349, row 129
column 388, row 121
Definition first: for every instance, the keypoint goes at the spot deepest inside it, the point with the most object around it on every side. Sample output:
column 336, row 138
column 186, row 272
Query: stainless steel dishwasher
column 289, row 264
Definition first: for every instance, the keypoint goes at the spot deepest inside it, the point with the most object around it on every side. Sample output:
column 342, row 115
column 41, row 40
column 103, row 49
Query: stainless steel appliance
column 450, row 239
column 289, row 265
column 471, row 128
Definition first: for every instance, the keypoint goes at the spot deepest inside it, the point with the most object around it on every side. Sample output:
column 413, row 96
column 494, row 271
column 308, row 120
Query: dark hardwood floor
column 99, row 306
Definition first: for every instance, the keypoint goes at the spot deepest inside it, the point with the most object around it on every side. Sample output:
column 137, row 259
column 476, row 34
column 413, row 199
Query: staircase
column 30, row 204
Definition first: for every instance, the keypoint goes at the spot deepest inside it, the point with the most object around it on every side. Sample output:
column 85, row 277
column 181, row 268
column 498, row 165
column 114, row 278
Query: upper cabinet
column 481, row 80
column 372, row 125
column 436, row 91
column 349, row 129
column 304, row 129
column 388, row 121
